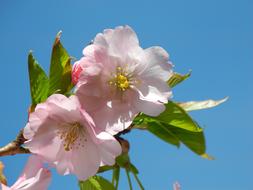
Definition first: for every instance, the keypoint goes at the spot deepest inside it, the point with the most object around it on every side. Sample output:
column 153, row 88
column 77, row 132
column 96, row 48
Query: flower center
column 72, row 136
column 120, row 80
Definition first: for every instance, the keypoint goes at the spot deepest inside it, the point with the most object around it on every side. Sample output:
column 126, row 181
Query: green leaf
column 177, row 78
column 39, row 83
column 174, row 125
column 194, row 140
column 96, row 183
column 174, row 135
column 199, row 105
column 176, row 116
column 60, row 69
column 163, row 133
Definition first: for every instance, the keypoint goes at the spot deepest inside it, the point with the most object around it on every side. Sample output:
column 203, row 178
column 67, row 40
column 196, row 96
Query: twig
column 14, row 147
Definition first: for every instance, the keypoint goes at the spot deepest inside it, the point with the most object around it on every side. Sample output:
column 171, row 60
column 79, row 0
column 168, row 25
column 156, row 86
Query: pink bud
column 176, row 186
column 76, row 71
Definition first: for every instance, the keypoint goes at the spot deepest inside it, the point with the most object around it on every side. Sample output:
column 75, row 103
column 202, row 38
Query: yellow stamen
column 120, row 80
column 71, row 135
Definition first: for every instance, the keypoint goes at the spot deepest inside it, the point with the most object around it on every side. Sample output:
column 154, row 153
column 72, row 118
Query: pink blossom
column 176, row 186
column 34, row 177
column 65, row 136
column 119, row 79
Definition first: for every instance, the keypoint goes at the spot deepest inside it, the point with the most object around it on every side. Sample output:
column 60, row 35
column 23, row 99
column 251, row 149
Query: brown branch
column 14, row 147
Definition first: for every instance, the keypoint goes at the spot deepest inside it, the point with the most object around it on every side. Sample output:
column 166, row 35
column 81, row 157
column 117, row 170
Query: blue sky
column 211, row 37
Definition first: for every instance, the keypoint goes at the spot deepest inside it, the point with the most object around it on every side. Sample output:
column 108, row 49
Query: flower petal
column 119, row 41
column 45, row 141
column 86, row 161
column 154, row 90
column 109, row 148
column 34, row 176
column 149, row 107
column 157, row 64
column 62, row 108
column 114, row 117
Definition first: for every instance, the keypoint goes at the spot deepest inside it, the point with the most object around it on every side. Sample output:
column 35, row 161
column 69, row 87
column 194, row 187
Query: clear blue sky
column 211, row 37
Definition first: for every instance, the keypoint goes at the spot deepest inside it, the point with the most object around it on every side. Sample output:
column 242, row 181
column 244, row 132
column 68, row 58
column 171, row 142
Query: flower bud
column 76, row 71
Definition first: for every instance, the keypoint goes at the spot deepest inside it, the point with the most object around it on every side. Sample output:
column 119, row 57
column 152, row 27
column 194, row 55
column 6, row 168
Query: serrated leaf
column 2, row 177
column 163, row 133
column 177, row 78
column 199, row 105
column 96, row 183
column 39, row 83
column 176, row 116
column 60, row 69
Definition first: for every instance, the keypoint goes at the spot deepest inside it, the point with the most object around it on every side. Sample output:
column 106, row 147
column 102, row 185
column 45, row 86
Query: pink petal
column 90, row 103
column 34, row 176
column 121, row 40
column 39, row 182
column 109, row 148
column 148, row 107
column 63, row 109
column 157, row 64
column 114, row 117
column 45, row 142
column 154, row 90
column 86, row 161
column 33, row 165
column 63, row 162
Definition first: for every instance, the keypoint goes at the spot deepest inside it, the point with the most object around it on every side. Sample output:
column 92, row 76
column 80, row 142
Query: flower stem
column 117, row 179
column 129, row 180
column 138, row 181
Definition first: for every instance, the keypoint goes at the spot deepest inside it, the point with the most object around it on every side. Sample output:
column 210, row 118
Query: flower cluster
column 115, row 80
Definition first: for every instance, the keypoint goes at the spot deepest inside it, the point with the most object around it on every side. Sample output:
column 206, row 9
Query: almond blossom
column 65, row 136
column 34, row 177
column 116, row 79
